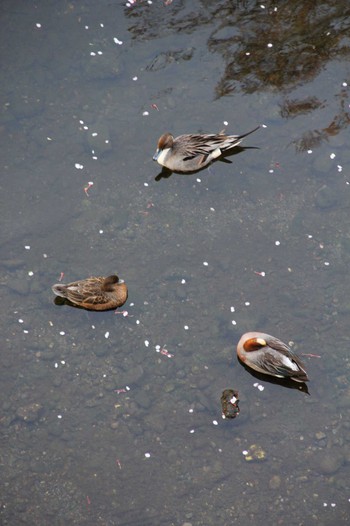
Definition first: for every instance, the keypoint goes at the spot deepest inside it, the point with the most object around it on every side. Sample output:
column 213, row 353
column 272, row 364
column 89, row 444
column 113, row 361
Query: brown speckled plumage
column 95, row 293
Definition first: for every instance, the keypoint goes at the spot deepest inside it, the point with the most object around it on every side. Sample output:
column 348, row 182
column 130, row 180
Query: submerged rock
column 29, row 413
column 327, row 461
column 326, row 197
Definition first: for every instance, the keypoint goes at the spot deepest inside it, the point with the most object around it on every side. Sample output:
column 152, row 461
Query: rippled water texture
column 115, row 419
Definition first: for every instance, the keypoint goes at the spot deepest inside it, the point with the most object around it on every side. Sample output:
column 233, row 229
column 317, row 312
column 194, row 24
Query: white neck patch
column 162, row 156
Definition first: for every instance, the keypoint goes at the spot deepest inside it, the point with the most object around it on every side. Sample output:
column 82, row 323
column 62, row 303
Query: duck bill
column 156, row 155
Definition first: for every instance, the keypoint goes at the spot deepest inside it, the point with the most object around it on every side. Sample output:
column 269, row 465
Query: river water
column 115, row 419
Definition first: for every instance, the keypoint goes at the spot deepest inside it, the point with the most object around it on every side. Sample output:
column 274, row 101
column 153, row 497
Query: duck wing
column 281, row 363
column 200, row 145
column 86, row 291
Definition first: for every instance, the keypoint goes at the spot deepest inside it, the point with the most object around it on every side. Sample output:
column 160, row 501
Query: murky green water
column 99, row 424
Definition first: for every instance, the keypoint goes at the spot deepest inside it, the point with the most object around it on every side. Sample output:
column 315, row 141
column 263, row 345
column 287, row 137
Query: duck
column 94, row 293
column 192, row 152
column 269, row 355
column 229, row 403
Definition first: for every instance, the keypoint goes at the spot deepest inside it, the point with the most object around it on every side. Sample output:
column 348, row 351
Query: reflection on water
column 115, row 418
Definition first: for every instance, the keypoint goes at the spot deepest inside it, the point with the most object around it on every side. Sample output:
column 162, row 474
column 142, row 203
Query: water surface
column 116, row 420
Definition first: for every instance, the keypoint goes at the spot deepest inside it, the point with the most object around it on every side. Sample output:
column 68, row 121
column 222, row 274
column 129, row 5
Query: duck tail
column 240, row 137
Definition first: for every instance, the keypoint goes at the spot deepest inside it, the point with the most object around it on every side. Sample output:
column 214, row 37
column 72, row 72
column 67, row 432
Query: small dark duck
column 94, row 293
column 229, row 404
column 269, row 355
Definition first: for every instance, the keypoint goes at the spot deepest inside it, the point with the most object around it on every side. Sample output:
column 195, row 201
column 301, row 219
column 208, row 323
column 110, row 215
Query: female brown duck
column 269, row 355
column 94, row 293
